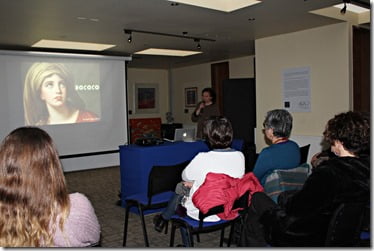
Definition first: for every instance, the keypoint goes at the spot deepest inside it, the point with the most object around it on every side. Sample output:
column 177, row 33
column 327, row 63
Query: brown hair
column 352, row 129
column 218, row 132
column 32, row 189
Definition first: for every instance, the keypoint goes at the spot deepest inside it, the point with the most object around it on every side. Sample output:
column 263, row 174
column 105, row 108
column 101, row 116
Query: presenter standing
column 205, row 109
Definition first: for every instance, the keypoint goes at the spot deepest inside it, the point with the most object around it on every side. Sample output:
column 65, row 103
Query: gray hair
column 280, row 121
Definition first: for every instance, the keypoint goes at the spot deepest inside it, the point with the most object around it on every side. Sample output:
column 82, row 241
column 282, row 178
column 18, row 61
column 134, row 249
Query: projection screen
column 80, row 100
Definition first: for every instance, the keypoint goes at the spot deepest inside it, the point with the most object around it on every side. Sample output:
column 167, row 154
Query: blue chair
column 162, row 181
column 195, row 227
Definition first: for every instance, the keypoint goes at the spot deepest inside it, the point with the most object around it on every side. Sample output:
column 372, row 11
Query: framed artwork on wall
column 146, row 98
column 190, row 96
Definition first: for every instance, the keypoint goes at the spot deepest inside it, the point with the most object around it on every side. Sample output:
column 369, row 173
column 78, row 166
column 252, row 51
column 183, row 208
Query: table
column 136, row 162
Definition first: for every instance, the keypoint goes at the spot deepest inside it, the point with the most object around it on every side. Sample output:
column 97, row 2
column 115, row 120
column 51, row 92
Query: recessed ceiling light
column 58, row 44
column 221, row 5
column 167, row 52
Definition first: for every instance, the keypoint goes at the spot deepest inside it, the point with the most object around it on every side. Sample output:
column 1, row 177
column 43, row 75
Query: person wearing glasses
column 282, row 153
column 302, row 218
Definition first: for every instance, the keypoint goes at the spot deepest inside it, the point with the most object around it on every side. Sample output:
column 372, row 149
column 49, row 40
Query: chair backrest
column 241, row 202
column 304, row 151
column 286, row 179
column 164, row 178
column 346, row 225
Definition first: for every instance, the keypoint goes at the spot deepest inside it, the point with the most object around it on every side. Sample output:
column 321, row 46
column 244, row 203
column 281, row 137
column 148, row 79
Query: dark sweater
column 303, row 216
column 205, row 113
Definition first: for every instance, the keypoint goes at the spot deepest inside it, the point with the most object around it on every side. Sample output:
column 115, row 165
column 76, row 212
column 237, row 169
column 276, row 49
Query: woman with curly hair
column 301, row 217
column 35, row 207
column 49, row 97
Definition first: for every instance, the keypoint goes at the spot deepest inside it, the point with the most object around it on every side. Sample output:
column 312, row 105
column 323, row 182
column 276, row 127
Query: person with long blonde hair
column 49, row 96
column 35, row 207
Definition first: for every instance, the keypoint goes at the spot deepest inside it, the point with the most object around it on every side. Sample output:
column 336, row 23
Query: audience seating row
column 348, row 226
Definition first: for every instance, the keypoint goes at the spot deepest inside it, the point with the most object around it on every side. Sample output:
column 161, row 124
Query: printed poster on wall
column 296, row 89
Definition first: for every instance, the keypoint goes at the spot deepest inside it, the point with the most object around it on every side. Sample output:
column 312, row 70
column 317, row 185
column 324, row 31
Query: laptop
column 184, row 134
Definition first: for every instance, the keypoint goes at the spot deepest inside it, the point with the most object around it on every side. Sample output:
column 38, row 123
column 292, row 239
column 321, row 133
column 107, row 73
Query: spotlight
column 130, row 35
column 198, row 43
column 344, row 9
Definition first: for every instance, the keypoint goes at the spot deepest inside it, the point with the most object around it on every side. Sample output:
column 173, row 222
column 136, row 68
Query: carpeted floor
column 101, row 186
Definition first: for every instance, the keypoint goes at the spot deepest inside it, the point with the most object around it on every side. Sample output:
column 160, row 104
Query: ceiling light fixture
column 198, row 43
column 59, row 44
column 130, row 36
column 167, row 52
column 220, row 5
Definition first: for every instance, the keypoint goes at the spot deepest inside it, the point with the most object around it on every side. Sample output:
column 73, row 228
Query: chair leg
column 197, row 237
column 166, row 227
column 141, row 215
column 189, row 236
column 126, row 225
column 222, row 236
column 172, row 234
column 232, row 228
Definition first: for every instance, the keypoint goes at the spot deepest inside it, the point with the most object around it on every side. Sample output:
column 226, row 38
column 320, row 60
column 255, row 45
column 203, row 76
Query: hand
column 188, row 183
column 200, row 107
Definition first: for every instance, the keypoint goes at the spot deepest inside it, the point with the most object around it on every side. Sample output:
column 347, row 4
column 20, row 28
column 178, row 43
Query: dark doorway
column 219, row 73
column 361, row 69
column 239, row 106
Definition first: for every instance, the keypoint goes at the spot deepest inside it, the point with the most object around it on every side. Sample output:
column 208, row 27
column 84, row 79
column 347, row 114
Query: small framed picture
column 146, row 98
column 190, row 96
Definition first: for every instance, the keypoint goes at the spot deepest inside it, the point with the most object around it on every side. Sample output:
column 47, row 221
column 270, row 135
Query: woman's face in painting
column 53, row 91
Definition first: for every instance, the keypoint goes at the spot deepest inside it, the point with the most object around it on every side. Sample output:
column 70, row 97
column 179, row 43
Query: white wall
column 243, row 67
column 326, row 51
column 148, row 76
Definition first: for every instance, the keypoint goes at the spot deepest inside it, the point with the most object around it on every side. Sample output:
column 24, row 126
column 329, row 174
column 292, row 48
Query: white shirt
column 229, row 162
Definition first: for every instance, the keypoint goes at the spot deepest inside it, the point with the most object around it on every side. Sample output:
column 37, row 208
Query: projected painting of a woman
column 49, row 97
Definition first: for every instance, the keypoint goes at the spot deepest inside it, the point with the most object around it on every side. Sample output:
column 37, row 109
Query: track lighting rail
column 130, row 31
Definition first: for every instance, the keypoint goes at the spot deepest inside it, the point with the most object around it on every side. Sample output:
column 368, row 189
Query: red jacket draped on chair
column 221, row 189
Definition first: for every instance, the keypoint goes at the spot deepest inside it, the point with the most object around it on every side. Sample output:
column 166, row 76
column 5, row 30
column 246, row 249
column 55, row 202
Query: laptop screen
column 184, row 134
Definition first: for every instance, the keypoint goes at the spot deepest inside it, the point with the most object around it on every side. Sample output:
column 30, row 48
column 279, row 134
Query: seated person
column 283, row 153
column 302, row 217
column 36, row 209
column 221, row 159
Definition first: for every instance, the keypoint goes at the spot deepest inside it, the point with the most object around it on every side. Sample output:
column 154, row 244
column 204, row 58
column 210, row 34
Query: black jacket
column 303, row 216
